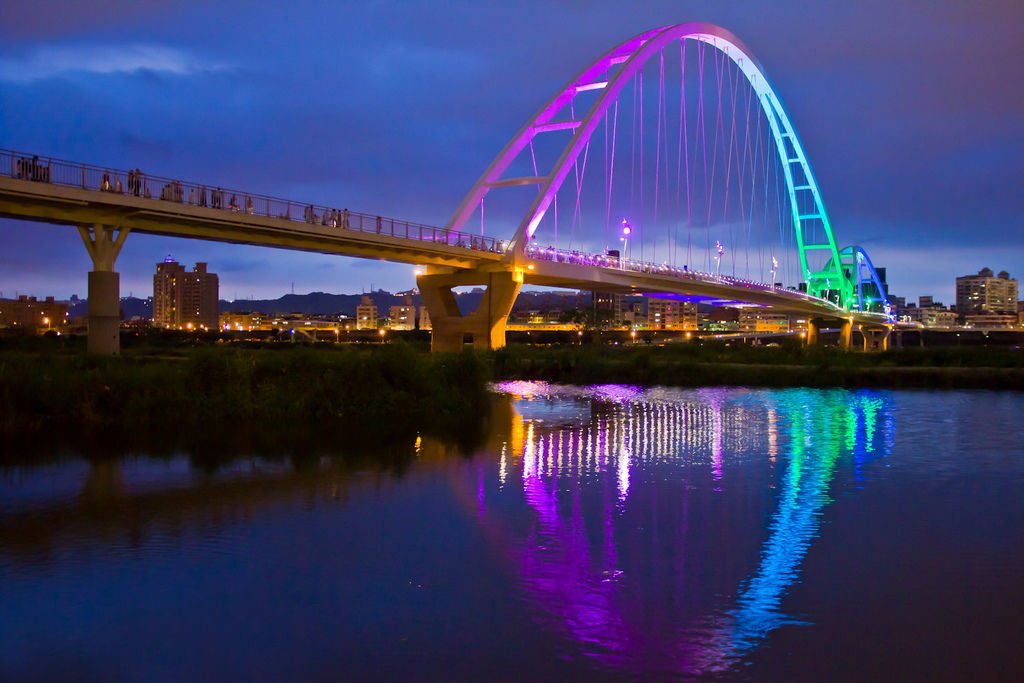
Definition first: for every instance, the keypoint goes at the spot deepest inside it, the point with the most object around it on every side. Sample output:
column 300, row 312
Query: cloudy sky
column 912, row 115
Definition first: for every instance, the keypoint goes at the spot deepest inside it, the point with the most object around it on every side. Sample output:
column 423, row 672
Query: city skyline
column 918, row 158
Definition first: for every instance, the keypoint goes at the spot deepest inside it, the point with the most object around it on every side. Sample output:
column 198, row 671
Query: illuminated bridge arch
column 813, row 229
column 868, row 289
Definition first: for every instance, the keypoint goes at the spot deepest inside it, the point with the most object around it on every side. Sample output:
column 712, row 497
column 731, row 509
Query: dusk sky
column 912, row 114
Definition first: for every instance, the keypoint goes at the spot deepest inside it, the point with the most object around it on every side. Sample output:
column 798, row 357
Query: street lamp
column 627, row 230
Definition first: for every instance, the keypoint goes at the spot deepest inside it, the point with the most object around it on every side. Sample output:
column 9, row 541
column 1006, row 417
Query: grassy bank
column 713, row 364
column 384, row 392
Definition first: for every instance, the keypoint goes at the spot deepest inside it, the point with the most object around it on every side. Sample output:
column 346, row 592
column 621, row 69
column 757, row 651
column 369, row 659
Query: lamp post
column 627, row 230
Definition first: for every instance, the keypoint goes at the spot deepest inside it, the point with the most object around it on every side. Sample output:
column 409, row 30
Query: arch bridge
column 746, row 156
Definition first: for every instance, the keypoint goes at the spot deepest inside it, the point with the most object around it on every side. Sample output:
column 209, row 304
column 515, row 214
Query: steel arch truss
column 610, row 74
column 868, row 289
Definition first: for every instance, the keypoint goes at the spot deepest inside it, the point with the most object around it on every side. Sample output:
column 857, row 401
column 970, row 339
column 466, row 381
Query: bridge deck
column 56, row 191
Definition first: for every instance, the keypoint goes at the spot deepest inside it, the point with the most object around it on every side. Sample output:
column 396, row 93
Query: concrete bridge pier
column 486, row 324
column 876, row 338
column 813, row 332
column 104, row 242
column 813, row 336
column 846, row 334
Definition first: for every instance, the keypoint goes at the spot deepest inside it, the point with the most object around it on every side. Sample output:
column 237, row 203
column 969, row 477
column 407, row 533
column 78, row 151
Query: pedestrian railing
column 34, row 168
column 664, row 269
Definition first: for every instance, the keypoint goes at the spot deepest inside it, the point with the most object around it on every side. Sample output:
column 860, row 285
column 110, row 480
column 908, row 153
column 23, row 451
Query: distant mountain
column 322, row 303
column 314, row 303
column 131, row 307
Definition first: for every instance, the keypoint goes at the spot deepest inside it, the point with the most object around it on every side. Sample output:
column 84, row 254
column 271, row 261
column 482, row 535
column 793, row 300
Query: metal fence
column 684, row 273
column 135, row 183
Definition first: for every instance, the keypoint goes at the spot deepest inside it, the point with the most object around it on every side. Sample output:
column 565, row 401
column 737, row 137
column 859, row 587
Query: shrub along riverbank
column 712, row 364
column 384, row 392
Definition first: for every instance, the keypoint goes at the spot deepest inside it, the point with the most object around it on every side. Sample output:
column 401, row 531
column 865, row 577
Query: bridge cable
column 714, row 154
column 611, row 175
column 657, row 151
column 748, row 162
column 702, row 128
column 731, row 90
column 664, row 155
column 684, row 138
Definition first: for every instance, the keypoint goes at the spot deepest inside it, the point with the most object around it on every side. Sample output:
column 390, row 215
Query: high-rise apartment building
column 986, row 293
column 182, row 298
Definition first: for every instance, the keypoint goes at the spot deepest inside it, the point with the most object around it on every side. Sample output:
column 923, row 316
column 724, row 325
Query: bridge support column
column 876, row 338
column 104, row 243
column 846, row 335
column 813, row 332
column 486, row 324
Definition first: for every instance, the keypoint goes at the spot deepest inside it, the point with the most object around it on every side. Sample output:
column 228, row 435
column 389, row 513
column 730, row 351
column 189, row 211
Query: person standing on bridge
column 344, row 219
column 380, row 224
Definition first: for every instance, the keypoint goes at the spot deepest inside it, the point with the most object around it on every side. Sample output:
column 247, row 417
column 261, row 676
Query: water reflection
column 639, row 531
column 570, row 562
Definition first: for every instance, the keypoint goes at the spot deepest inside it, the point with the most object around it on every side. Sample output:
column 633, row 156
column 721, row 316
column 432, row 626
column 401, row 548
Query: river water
column 599, row 533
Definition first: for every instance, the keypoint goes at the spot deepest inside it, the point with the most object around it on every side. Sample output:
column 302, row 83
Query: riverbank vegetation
column 714, row 363
column 338, row 393
column 383, row 392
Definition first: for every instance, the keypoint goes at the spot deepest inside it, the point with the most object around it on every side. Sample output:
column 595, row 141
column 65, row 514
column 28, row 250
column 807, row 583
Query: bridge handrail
column 664, row 269
column 41, row 169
